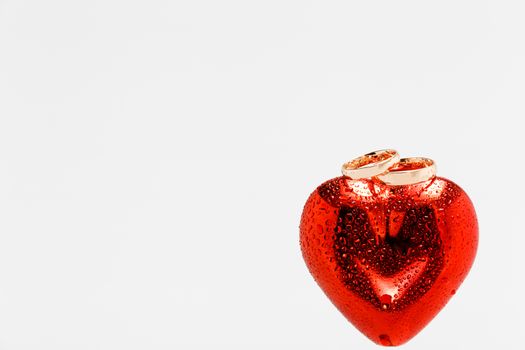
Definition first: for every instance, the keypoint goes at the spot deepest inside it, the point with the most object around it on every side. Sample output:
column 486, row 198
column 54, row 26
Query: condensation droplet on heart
column 384, row 339
column 386, row 301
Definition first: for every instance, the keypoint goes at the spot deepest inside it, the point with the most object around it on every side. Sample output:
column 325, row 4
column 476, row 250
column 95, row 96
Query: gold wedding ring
column 409, row 171
column 370, row 164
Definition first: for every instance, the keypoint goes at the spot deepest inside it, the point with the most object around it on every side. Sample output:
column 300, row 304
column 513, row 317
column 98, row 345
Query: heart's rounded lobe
column 389, row 257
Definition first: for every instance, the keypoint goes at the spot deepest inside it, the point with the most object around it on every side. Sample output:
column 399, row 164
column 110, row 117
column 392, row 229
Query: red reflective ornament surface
column 389, row 257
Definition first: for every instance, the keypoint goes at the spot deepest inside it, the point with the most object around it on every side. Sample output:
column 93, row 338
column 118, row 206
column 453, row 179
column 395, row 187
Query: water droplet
column 384, row 339
column 385, row 300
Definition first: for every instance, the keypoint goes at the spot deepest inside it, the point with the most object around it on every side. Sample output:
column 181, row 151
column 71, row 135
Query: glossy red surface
column 389, row 257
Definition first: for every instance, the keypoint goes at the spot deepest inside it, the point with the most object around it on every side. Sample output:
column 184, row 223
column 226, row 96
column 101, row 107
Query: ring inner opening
column 407, row 164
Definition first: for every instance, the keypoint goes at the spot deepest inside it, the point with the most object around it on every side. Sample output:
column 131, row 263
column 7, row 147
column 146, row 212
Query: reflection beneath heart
column 391, row 289
column 393, row 262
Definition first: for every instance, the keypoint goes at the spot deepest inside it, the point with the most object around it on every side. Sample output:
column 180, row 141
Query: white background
column 155, row 157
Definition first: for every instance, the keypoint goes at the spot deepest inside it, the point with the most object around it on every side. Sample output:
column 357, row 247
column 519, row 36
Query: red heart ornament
column 389, row 257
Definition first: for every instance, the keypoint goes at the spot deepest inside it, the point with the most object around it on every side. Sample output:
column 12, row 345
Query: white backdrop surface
column 155, row 157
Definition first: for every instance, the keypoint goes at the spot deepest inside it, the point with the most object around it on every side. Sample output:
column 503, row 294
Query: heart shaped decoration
column 389, row 252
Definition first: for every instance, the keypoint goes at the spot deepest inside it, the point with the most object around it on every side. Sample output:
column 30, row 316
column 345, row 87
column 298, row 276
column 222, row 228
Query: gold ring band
column 409, row 171
column 370, row 164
